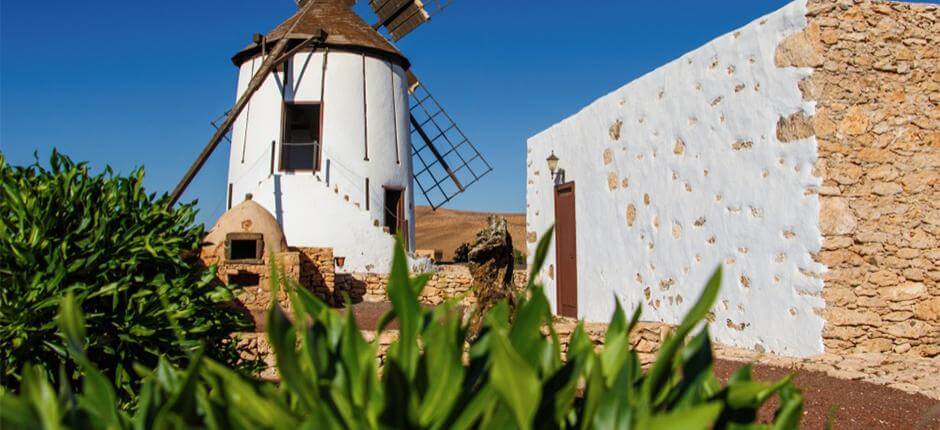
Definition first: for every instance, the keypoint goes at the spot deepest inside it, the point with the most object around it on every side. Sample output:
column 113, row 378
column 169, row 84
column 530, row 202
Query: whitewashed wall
column 364, row 98
column 680, row 171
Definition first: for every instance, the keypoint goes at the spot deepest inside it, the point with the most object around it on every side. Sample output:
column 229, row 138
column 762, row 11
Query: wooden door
column 566, row 251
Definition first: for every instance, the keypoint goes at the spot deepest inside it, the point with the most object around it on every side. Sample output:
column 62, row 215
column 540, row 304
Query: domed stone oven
column 241, row 246
column 247, row 234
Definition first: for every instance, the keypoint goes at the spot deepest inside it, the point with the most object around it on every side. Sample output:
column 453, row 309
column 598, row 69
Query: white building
column 324, row 144
column 682, row 170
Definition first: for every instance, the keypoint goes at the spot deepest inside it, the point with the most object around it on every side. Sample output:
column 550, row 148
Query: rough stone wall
column 255, row 295
column 317, row 271
column 448, row 281
column 877, row 86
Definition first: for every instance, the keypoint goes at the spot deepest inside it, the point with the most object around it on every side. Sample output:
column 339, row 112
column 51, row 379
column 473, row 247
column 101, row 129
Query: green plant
column 130, row 261
column 512, row 376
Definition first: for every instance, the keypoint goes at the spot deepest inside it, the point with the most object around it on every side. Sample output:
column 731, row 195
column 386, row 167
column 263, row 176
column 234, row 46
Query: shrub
column 124, row 255
column 512, row 375
column 462, row 253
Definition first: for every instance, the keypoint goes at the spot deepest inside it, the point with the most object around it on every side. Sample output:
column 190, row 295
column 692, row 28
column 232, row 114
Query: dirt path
column 859, row 404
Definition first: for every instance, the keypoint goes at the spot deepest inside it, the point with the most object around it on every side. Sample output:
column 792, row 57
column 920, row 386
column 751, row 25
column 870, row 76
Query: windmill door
column 566, row 255
column 395, row 213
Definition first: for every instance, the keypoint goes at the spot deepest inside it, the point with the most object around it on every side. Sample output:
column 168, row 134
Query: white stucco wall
column 696, row 178
column 362, row 98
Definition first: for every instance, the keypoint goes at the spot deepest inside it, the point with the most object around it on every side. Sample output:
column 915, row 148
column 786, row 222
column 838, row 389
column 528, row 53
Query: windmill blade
column 445, row 162
column 401, row 17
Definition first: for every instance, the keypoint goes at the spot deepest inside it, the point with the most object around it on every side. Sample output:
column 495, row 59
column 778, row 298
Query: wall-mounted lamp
column 552, row 163
column 339, row 261
column 557, row 174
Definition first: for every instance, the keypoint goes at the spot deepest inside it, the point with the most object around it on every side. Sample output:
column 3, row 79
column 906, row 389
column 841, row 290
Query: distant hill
column 446, row 229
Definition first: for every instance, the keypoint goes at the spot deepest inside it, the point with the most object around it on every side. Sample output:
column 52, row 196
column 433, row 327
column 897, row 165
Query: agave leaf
column 655, row 382
column 470, row 415
column 525, row 334
column 405, row 303
column 283, row 340
column 514, row 380
column 698, row 417
column 751, row 394
column 443, row 367
column 615, row 410
column 42, row 399
column 594, row 392
column 697, row 365
column 245, row 404
column 791, row 409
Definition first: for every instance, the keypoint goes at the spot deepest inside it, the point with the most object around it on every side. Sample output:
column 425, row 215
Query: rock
column 608, row 156
column 800, row 50
column 855, row 122
column 901, row 349
column 884, row 278
column 912, row 329
column 794, row 127
column 852, row 317
column 835, row 216
column 928, row 310
column 612, row 181
column 875, row 345
column 491, row 264
column 614, row 130
column 905, row 291
column 886, row 188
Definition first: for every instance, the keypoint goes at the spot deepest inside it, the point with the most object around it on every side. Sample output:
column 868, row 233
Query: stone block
column 928, row 310
column 835, row 216
column 848, row 317
column 801, row 49
column 905, row 291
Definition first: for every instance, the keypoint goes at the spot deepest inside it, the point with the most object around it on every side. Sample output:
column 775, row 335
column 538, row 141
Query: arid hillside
column 446, row 229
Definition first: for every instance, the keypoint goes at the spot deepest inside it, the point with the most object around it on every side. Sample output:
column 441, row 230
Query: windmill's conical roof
column 344, row 28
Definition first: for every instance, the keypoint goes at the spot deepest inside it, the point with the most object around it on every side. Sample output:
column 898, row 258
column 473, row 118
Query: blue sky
column 130, row 83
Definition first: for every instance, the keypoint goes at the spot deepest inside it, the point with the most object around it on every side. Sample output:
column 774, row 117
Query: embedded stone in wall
column 836, row 217
column 794, row 127
column 800, row 49
column 631, row 214
column 612, row 181
column 855, row 122
column 615, row 130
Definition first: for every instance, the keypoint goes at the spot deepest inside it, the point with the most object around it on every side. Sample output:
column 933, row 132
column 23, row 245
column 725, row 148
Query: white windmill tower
column 331, row 131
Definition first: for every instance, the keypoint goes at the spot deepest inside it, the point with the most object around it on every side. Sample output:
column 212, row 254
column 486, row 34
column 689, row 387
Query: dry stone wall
column 877, row 86
column 447, row 282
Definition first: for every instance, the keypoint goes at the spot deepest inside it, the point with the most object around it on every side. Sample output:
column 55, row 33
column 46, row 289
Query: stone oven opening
column 244, row 279
column 244, row 247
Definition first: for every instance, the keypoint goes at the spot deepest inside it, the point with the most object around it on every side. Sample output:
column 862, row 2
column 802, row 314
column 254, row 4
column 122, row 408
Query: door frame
column 574, row 243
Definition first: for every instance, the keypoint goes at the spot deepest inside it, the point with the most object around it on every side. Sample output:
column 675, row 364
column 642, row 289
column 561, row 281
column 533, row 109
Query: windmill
column 446, row 162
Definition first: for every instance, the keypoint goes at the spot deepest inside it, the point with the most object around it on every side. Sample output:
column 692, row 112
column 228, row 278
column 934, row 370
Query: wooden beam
column 437, row 154
column 270, row 62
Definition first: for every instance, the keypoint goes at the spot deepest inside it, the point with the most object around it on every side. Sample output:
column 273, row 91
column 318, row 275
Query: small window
column 301, row 138
column 244, row 248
